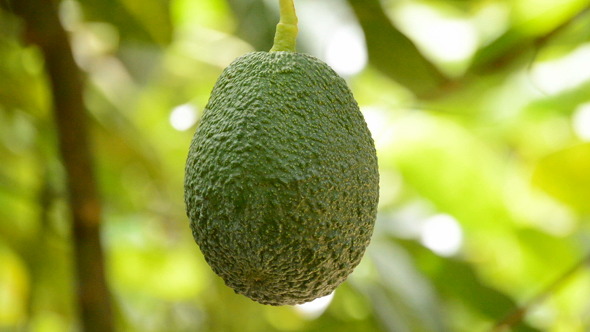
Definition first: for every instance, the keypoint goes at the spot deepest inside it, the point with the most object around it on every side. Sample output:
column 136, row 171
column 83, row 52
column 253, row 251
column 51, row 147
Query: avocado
column 281, row 182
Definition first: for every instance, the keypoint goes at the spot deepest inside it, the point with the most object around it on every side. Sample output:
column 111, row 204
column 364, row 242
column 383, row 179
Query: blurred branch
column 394, row 54
column 509, row 48
column 518, row 314
column 42, row 28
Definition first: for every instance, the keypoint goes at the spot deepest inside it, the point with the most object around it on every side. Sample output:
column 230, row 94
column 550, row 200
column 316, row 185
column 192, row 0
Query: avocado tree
column 480, row 115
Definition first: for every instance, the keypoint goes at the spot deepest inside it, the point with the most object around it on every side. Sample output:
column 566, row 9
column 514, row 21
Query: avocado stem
column 286, row 33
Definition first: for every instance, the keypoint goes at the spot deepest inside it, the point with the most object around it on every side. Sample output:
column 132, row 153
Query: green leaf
column 458, row 280
column 446, row 164
column 144, row 21
column 393, row 53
column 565, row 175
column 402, row 298
column 255, row 22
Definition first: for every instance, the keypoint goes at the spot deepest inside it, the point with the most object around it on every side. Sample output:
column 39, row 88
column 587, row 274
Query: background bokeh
column 480, row 110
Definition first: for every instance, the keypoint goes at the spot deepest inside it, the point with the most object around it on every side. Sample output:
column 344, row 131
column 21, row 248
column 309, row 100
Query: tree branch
column 519, row 313
column 42, row 28
column 512, row 47
column 396, row 56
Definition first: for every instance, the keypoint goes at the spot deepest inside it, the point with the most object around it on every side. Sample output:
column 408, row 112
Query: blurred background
column 480, row 111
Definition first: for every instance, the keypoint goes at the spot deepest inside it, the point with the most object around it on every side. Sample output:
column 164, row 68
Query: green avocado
column 281, row 183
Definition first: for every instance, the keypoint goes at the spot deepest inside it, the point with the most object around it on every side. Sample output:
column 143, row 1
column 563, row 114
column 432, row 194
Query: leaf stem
column 286, row 33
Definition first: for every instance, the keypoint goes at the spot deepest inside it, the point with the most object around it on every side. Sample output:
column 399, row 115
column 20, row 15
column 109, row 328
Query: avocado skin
column 281, row 182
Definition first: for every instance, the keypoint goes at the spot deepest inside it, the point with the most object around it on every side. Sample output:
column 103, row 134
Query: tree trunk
column 42, row 28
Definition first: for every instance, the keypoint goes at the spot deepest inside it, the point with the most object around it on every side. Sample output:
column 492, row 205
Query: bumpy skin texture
column 281, row 181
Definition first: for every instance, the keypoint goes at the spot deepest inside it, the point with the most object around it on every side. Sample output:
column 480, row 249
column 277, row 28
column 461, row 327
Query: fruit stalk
column 286, row 33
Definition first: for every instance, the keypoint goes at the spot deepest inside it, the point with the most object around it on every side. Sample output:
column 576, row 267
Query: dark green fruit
column 281, row 179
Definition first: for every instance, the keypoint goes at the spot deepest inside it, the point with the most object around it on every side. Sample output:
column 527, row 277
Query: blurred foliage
column 480, row 113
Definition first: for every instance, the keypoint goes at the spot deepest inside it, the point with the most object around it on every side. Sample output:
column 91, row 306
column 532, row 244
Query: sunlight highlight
column 183, row 117
column 377, row 121
column 315, row 308
column 442, row 234
column 581, row 122
column 564, row 73
column 346, row 52
column 444, row 38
